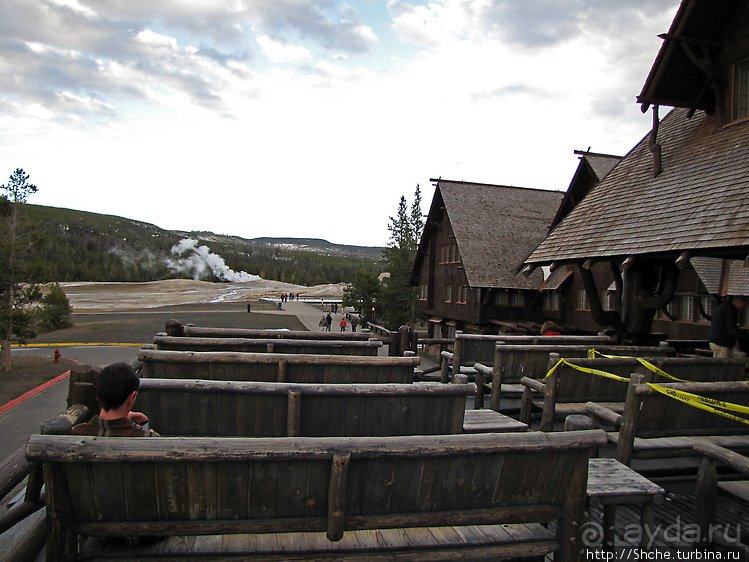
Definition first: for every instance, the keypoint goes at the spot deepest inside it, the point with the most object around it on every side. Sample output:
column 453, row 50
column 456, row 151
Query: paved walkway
column 309, row 315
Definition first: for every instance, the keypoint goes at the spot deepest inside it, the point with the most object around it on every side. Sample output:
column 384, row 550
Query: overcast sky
column 310, row 118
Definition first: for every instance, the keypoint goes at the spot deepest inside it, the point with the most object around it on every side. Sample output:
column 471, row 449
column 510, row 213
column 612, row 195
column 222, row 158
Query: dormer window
column 741, row 90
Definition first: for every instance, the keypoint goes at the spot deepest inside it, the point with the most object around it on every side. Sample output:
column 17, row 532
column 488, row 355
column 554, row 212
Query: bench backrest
column 663, row 416
column 574, row 385
column 208, row 332
column 532, row 361
column 178, row 486
column 648, row 413
column 477, row 348
column 262, row 409
column 704, row 369
column 276, row 367
column 315, row 347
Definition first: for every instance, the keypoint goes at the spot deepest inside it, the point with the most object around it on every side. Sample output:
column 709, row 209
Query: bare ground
column 27, row 372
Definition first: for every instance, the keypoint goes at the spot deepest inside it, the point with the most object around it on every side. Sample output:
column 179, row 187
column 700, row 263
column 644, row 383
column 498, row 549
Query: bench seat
column 678, row 446
column 489, row 421
column 475, row 542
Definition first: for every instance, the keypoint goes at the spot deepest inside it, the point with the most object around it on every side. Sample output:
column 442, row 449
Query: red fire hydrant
column 57, row 355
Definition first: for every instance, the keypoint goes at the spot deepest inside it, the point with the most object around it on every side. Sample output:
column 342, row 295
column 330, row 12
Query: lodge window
column 582, row 300
column 449, row 253
column 687, row 308
column 707, row 307
column 502, row 298
column 741, row 90
column 462, row 294
column 424, row 292
column 552, row 301
column 449, row 293
column 517, row 298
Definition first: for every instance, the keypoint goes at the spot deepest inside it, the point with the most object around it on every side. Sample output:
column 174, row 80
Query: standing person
column 343, row 324
column 323, row 323
column 354, row 322
column 116, row 389
column 724, row 328
column 328, row 321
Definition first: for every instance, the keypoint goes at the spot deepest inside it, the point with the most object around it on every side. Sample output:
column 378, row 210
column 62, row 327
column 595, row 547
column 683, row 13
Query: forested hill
column 81, row 246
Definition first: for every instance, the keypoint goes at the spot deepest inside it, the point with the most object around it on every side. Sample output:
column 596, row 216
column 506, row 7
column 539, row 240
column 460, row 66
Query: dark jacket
column 724, row 329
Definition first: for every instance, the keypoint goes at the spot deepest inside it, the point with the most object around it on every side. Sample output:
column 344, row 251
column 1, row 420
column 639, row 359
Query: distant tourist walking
column 343, row 324
column 724, row 328
column 354, row 322
column 328, row 321
column 323, row 323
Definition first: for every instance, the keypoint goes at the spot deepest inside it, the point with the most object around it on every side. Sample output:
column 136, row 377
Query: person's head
column 738, row 301
column 549, row 326
column 116, row 384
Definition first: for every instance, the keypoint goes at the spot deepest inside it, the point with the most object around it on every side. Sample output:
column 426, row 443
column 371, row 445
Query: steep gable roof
column 681, row 73
column 592, row 169
column 699, row 202
column 495, row 228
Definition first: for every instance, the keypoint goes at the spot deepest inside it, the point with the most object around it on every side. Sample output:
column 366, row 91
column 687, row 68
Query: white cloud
column 157, row 39
column 273, row 118
column 282, row 52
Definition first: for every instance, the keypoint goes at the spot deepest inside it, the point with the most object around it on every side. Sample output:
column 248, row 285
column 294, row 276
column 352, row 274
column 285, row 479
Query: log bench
column 259, row 409
column 246, row 345
column 708, row 485
column 276, row 367
column 653, row 425
column 512, row 362
column 176, row 329
column 567, row 390
column 470, row 349
column 446, row 497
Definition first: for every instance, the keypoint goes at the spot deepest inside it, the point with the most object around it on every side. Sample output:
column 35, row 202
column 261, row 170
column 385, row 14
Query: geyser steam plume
column 198, row 261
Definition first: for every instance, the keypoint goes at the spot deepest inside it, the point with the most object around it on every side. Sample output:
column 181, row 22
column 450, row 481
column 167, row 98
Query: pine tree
column 363, row 293
column 19, row 270
column 398, row 297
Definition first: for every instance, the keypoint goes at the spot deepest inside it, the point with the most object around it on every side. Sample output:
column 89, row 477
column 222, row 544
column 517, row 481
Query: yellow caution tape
column 708, row 404
column 585, row 370
column 703, row 403
column 592, row 353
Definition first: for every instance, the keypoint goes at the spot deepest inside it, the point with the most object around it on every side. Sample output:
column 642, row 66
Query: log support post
column 293, row 414
column 337, row 496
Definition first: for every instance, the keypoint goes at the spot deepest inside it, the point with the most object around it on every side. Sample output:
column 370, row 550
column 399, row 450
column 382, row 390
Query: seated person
column 550, row 329
column 116, row 389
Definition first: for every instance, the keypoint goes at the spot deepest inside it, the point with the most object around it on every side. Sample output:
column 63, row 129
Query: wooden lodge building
column 671, row 221
column 475, row 238
column 644, row 244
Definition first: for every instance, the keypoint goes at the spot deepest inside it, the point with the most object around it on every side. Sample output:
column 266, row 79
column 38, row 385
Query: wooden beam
column 293, row 414
column 337, row 496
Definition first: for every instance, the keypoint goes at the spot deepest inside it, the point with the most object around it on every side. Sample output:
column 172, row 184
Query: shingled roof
column 699, row 202
column 592, row 169
column 697, row 32
column 495, row 228
column 711, row 270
